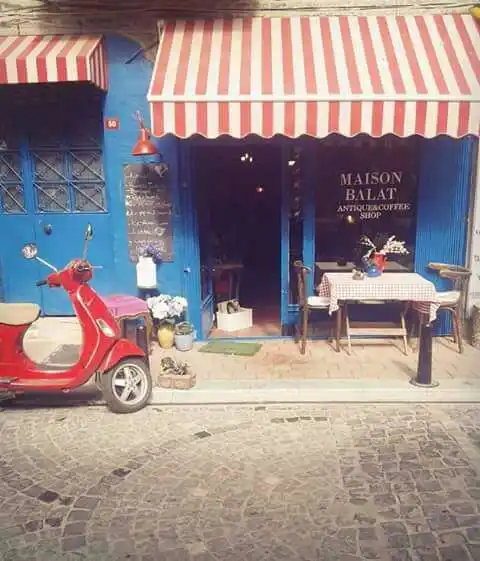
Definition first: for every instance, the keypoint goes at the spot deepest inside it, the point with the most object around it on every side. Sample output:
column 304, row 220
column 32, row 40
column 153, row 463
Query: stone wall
column 136, row 19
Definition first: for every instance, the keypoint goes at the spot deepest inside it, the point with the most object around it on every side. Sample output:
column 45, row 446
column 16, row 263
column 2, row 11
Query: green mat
column 231, row 348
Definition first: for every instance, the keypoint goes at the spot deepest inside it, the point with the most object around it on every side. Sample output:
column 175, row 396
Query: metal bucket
column 184, row 342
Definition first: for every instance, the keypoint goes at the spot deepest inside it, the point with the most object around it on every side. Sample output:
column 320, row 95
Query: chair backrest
column 302, row 273
column 458, row 275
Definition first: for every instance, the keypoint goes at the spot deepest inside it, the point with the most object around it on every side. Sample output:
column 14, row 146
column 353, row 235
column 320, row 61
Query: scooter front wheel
column 127, row 386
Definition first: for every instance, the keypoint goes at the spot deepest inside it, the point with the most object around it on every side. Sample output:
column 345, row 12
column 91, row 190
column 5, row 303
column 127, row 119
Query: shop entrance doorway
column 238, row 199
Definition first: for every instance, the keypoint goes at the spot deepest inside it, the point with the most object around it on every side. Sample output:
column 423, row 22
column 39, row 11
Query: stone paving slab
column 281, row 360
column 258, row 483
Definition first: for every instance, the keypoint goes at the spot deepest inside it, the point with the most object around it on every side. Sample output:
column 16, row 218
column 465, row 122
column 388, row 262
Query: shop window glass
column 365, row 186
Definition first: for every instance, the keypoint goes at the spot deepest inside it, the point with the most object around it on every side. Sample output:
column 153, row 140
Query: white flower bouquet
column 393, row 246
column 390, row 246
column 166, row 308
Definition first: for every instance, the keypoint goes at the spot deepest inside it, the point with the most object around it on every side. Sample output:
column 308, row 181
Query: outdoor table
column 392, row 287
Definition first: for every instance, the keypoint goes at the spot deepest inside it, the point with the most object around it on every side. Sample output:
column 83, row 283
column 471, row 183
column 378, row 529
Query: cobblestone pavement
column 310, row 483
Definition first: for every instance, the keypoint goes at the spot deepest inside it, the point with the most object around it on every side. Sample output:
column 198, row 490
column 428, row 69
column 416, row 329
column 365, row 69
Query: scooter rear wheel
column 127, row 387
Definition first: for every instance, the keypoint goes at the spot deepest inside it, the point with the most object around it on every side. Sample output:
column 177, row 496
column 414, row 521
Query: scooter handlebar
column 41, row 283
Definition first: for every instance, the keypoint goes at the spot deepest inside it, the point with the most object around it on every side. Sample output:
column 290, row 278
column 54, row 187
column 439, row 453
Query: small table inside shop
column 233, row 273
column 341, row 288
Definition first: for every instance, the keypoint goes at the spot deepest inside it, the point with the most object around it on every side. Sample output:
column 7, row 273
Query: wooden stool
column 124, row 307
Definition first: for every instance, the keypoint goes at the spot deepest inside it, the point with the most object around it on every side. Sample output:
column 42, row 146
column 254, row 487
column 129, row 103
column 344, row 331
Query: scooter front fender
column 122, row 349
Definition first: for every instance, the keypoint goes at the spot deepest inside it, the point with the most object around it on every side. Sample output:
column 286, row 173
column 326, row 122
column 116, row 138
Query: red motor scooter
column 121, row 367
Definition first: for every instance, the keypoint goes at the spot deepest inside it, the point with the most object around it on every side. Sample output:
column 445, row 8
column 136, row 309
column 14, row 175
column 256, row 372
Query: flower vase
column 166, row 335
column 379, row 259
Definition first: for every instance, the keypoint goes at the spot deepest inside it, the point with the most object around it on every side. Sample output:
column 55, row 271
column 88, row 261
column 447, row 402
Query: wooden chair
column 306, row 303
column 453, row 300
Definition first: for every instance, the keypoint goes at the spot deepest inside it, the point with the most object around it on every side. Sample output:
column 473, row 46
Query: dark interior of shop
column 238, row 201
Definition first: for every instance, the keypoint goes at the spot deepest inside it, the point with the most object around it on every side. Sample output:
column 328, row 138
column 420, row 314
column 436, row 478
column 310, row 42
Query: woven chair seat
column 318, row 301
column 449, row 297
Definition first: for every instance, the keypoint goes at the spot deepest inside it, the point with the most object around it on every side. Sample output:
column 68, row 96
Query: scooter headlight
column 106, row 329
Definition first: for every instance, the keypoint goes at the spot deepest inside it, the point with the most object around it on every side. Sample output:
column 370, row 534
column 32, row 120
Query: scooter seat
column 19, row 314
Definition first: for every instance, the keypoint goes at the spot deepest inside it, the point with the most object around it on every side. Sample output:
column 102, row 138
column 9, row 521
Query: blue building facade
column 54, row 217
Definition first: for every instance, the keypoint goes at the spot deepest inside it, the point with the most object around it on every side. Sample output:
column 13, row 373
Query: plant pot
column 166, row 336
column 177, row 381
column 184, row 342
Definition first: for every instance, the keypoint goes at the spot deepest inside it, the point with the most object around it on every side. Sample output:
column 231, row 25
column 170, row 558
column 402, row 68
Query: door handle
column 47, row 228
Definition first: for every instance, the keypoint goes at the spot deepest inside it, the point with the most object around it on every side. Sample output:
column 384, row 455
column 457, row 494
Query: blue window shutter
column 443, row 203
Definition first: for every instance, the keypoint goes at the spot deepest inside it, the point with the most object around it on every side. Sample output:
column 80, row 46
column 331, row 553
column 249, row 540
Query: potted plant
column 184, row 336
column 375, row 253
column 166, row 311
column 175, row 375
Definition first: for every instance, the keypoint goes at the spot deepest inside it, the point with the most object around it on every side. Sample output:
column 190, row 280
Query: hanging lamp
column 144, row 146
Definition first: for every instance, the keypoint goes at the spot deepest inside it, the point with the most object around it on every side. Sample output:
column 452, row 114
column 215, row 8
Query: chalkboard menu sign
column 149, row 209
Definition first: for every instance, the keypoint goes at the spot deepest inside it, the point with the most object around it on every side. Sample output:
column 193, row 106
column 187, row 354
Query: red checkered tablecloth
column 402, row 287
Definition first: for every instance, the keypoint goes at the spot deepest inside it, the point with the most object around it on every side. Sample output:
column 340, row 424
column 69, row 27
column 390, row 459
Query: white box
column 243, row 319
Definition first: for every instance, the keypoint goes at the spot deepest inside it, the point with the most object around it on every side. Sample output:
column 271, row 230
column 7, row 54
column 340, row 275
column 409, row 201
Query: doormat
column 64, row 355
column 229, row 348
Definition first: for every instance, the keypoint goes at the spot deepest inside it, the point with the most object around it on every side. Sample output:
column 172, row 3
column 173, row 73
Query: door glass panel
column 295, row 197
column 66, row 180
column 52, row 197
column 89, row 197
column 88, row 184
column 11, row 183
column 49, row 166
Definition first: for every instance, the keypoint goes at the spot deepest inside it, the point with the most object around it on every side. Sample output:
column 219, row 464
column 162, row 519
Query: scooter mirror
column 89, row 233
column 29, row 251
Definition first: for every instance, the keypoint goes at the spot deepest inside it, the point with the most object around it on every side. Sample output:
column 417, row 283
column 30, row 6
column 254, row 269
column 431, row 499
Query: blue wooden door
column 52, row 185
column 17, row 228
column 198, row 287
column 69, row 192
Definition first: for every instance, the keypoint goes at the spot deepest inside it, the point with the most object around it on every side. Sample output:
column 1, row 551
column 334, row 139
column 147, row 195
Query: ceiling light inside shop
column 350, row 219
column 259, row 189
column 246, row 158
column 291, row 163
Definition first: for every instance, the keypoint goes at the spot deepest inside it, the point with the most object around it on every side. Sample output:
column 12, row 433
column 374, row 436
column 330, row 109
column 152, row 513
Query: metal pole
column 424, row 366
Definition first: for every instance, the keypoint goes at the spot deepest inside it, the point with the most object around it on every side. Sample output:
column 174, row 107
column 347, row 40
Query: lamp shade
column 144, row 146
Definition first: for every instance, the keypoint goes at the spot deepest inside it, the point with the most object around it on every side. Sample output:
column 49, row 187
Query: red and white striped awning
column 41, row 59
column 318, row 75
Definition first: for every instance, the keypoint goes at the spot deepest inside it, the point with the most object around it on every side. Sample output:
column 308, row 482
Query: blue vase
column 373, row 271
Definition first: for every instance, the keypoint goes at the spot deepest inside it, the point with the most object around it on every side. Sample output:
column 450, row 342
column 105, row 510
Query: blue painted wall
column 127, row 93
column 445, row 180
column 443, row 206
